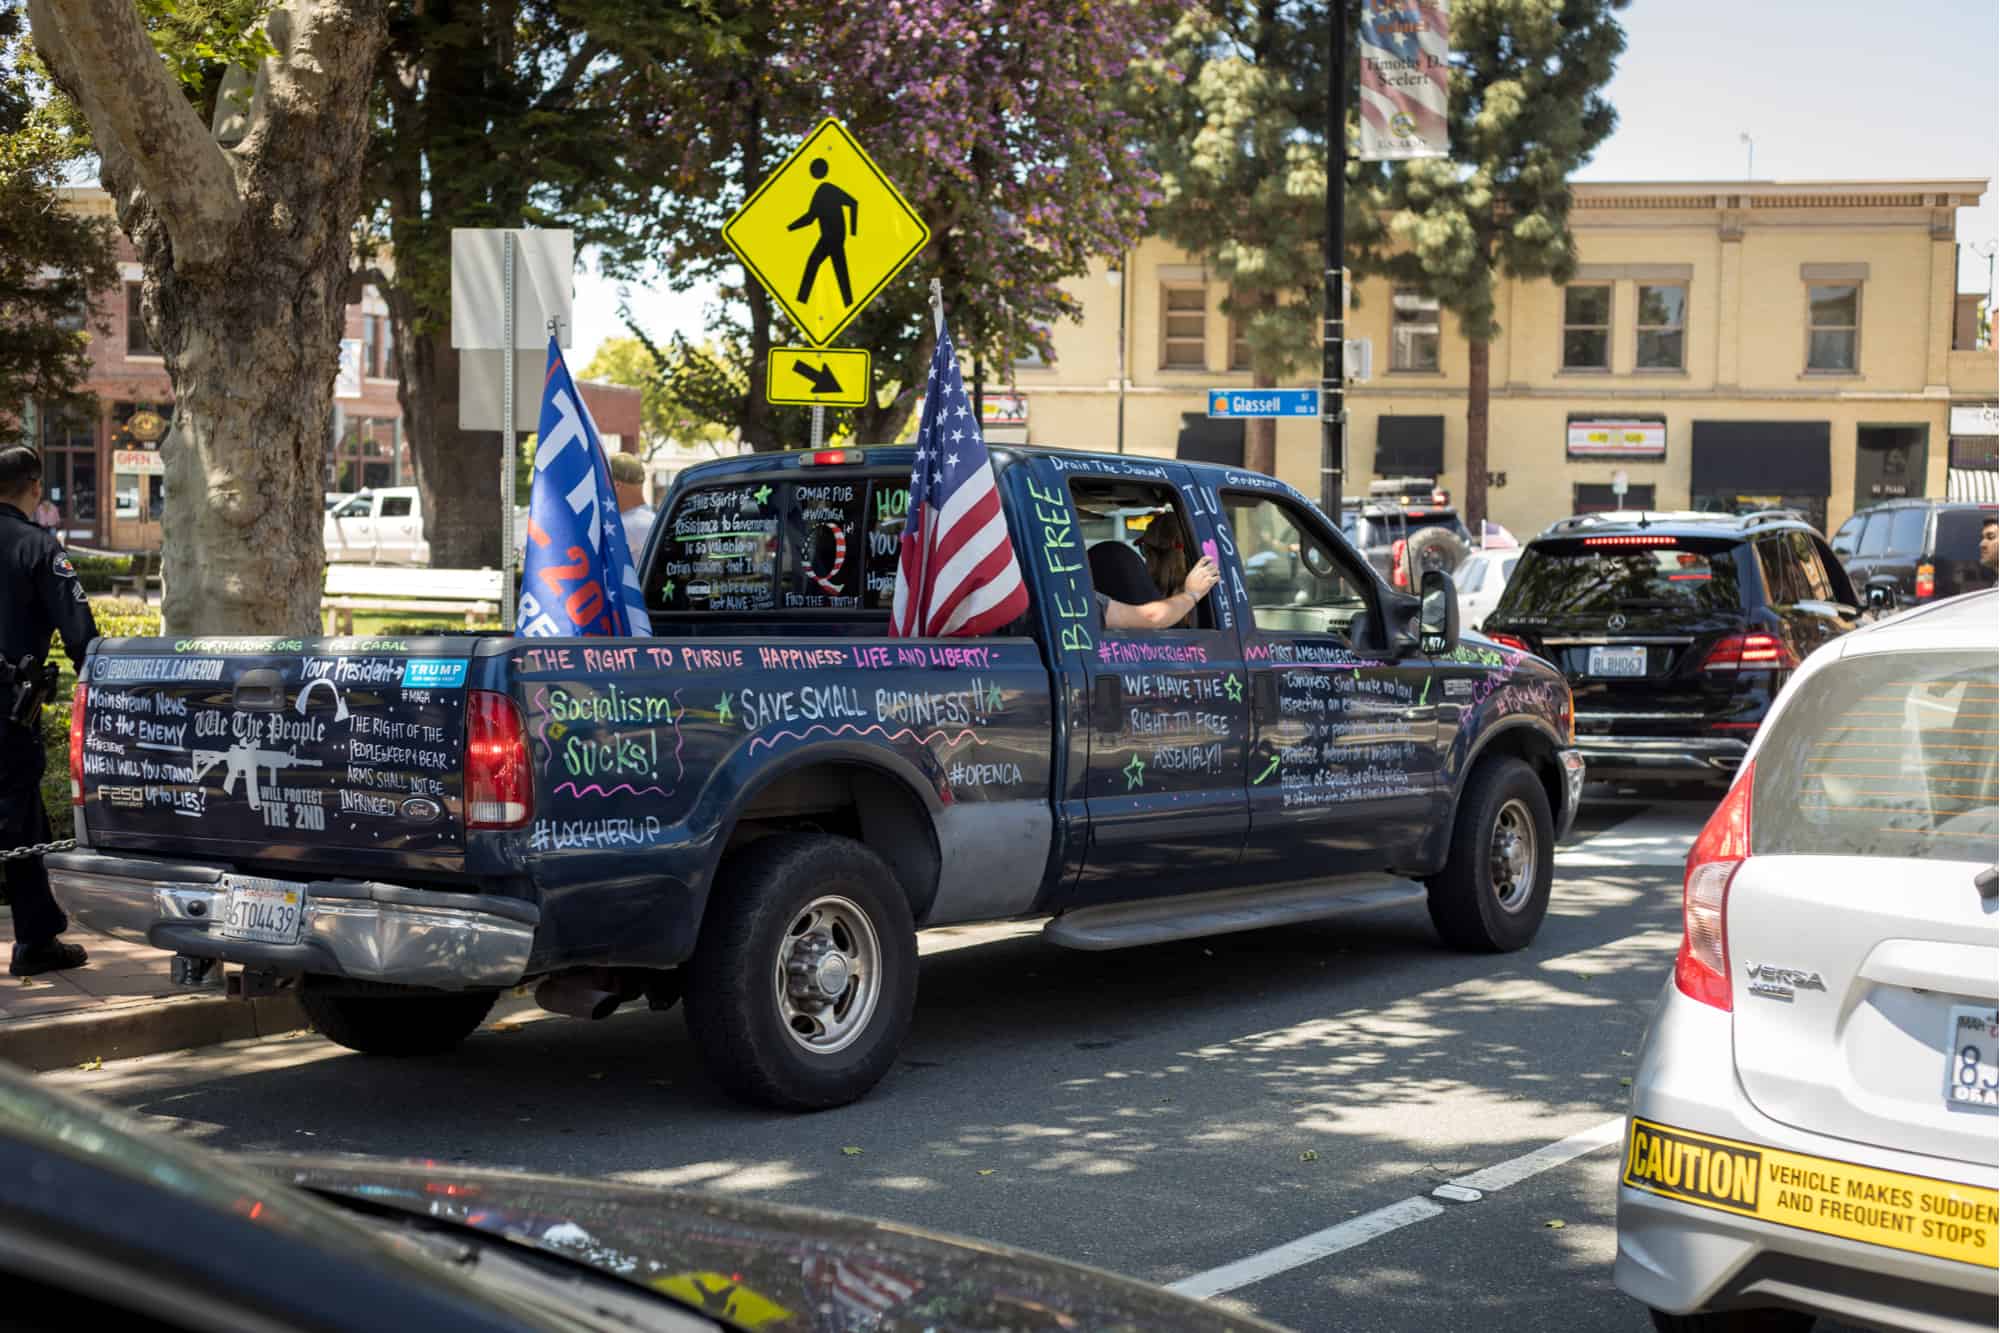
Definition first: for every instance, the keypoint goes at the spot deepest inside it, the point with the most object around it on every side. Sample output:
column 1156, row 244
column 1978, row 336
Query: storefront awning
column 1762, row 458
column 1409, row 447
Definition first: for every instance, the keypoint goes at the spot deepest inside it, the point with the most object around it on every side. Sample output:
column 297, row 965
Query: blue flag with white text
column 579, row 577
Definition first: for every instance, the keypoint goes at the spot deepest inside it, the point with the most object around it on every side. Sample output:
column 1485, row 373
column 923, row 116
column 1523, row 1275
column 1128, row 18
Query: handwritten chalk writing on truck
column 722, row 551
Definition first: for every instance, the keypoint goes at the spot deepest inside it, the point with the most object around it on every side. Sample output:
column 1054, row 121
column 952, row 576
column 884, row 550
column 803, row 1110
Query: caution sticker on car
column 1915, row 1213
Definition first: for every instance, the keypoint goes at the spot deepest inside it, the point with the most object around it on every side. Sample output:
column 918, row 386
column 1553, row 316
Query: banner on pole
column 1405, row 74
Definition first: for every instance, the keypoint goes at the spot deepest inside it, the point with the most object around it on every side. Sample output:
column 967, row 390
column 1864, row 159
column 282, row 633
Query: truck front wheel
column 420, row 1023
column 1493, row 892
column 801, row 989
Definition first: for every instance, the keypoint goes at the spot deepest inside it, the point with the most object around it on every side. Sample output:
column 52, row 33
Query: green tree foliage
column 665, row 418
column 51, row 259
column 1236, row 112
column 1527, row 110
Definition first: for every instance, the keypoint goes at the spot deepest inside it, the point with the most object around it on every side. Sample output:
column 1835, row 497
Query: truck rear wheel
column 801, row 989
column 1493, row 892
column 421, row 1023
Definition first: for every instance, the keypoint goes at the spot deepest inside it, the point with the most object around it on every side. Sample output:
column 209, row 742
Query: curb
column 118, row 1032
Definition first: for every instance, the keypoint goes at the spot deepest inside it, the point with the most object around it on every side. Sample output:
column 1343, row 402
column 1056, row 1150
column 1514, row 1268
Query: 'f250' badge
column 1779, row 983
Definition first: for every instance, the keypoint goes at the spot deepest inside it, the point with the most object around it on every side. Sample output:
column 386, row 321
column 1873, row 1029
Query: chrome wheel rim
column 828, row 975
column 1511, row 857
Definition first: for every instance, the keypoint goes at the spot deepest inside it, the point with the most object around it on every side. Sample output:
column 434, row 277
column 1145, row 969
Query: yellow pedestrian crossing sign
column 816, row 377
column 825, row 232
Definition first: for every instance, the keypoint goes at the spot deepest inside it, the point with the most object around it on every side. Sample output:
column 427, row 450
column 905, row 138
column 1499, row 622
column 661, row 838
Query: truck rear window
column 1890, row 754
column 763, row 546
column 1577, row 578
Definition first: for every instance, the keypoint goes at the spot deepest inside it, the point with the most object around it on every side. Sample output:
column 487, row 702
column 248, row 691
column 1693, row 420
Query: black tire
column 1735, row 1321
column 421, row 1023
column 753, row 1045
column 1469, row 905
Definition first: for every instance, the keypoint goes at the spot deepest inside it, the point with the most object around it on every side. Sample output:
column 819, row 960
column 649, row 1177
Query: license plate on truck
column 1972, row 1064
column 268, row 911
column 1617, row 661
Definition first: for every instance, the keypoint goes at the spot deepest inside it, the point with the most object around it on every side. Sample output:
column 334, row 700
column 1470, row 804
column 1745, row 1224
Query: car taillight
column 78, row 702
column 1926, row 581
column 1397, row 574
column 1509, row 641
column 1701, row 969
column 1756, row 651
column 499, row 789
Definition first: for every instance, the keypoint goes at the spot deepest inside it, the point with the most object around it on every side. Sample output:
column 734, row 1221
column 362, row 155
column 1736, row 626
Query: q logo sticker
column 826, row 581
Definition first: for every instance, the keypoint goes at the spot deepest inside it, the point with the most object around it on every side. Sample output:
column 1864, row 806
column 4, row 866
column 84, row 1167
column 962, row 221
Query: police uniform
column 39, row 594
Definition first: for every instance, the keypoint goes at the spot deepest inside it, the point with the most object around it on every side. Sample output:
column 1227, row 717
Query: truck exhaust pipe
column 578, row 996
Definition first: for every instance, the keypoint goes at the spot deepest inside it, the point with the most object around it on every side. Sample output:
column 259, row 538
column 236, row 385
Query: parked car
column 1915, row 550
column 109, row 1224
column 1480, row 581
column 1813, row 1115
column 1405, row 526
column 772, row 786
column 386, row 527
column 1674, row 630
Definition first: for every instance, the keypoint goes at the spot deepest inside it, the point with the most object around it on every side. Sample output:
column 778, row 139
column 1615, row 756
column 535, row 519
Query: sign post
column 1621, row 482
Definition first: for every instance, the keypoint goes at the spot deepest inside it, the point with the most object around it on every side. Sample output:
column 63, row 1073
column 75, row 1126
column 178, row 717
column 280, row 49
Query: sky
column 1827, row 90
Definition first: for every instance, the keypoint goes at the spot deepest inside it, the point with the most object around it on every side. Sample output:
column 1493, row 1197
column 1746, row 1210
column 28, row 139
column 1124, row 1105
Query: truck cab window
column 1297, row 583
column 1138, row 543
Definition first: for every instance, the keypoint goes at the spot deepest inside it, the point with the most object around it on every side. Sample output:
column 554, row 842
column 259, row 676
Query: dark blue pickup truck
column 756, row 810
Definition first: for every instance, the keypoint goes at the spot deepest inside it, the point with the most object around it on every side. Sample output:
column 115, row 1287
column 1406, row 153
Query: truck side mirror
column 1882, row 593
column 1437, row 621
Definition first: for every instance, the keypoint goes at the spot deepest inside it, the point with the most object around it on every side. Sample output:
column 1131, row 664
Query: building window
column 378, row 347
column 1587, row 327
column 1662, row 326
column 1833, row 327
column 1413, row 330
column 1183, row 326
column 371, row 352
column 365, row 456
column 69, row 463
column 137, row 341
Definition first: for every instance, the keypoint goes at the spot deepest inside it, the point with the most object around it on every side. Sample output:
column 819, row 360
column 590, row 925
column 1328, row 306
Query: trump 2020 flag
column 957, row 574
column 579, row 577
column 1405, row 78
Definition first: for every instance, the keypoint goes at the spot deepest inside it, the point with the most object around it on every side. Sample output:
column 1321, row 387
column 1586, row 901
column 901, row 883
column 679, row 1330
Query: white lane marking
column 1394, row 1217
column 1517, row 1169
column 1293, row 1254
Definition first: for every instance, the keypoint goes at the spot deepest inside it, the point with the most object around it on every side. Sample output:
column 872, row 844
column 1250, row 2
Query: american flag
column 957, row 573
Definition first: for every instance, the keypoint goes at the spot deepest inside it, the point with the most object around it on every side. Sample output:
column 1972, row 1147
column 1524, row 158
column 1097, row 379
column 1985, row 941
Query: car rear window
column 1890, row 754
column 761, row 546
column 1615, row 573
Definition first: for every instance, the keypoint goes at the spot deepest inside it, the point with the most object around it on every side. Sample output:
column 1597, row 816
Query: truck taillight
column 1926, row 580
column 1756, row 651
column 78, row 702
column 1510, row 641
column 499, row 788
column 1701, row 969
column 1397, row 574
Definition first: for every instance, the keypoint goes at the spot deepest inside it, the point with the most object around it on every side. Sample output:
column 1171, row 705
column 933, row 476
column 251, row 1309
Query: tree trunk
column 1260, row 436
column 458, row 471
column 246, row 254
column 1477, row 389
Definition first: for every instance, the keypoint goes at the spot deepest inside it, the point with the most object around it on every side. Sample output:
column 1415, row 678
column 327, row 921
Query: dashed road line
column 1360, row 1230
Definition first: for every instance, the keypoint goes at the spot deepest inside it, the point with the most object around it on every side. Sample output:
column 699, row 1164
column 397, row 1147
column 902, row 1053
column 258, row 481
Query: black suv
column 1399, row 513
column 1676, row 630
column 1908, row 551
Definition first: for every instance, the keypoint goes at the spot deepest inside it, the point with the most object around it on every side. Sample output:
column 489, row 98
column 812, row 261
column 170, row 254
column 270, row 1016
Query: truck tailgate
column 271, row 749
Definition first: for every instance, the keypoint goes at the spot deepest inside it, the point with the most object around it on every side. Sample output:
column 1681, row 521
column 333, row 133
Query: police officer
column 39, row 594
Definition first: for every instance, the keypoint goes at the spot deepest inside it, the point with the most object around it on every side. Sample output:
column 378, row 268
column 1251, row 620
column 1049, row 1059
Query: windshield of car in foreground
column 1583, row 577
column 1890, row 754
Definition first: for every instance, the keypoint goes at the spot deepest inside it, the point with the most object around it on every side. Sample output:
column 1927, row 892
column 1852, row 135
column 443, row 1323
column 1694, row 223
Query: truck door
column 1168, row 709
column 1343, row 763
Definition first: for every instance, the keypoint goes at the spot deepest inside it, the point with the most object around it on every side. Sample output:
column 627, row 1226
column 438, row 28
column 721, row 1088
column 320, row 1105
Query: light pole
column 1120, row 278
column 1333, row 329
column 1750, row 146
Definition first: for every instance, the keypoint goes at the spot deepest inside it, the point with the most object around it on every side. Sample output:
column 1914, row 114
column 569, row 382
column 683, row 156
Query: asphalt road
column 1165, row 1112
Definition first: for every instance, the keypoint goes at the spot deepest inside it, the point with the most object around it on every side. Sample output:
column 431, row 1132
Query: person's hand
column 1201, row 578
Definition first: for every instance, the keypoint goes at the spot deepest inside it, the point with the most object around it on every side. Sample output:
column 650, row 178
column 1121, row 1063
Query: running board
column 1223, row 911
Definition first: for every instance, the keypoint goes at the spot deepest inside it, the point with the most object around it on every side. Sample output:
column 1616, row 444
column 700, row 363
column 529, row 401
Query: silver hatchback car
column 1813, row 1125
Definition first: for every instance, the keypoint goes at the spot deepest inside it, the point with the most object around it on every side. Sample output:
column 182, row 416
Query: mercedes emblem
column 1616, row 622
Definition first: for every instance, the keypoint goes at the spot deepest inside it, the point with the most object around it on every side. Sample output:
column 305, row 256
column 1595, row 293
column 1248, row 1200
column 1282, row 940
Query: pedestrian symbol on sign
column 837, row 214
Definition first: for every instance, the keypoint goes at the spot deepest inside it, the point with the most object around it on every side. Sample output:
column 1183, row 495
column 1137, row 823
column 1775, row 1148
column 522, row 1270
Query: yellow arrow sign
column 825, row 232
column 816, row 377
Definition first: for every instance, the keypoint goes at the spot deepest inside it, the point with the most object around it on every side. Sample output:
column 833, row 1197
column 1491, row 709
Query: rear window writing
column 819, row 545
column 1568, row 578
column 1889, row 755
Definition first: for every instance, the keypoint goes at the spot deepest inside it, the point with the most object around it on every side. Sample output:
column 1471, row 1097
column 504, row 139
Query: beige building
column 1721, row 344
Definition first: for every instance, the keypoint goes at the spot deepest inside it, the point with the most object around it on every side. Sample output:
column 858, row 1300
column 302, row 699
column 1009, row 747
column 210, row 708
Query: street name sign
column 1240, row 404
column 825, row 232
column 816, row 377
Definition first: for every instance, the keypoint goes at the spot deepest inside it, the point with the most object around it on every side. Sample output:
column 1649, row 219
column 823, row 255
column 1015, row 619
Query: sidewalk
column 119, row 1004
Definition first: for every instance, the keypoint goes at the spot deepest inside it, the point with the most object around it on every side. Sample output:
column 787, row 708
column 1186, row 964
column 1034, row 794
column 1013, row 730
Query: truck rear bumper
column 365, row 930
column 1642, row 758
